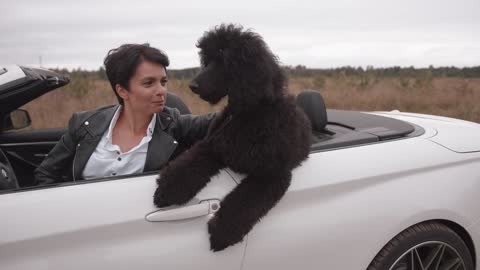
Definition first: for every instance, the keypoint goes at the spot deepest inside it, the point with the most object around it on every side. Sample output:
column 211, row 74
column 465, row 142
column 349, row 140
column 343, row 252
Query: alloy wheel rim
column 432, row 255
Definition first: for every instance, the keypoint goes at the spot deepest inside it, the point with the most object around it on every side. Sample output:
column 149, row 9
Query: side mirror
column 16, row 120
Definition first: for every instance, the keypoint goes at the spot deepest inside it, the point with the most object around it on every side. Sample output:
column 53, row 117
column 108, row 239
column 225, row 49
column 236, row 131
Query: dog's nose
column 194, row 86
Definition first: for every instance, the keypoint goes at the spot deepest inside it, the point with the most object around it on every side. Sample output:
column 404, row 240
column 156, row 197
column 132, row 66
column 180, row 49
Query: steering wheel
column 7, row 176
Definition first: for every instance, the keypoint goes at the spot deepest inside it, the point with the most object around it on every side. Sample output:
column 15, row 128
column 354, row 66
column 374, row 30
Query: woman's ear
column 122, row 92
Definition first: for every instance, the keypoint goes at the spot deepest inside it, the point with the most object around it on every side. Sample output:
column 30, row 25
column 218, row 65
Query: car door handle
column 175, row 213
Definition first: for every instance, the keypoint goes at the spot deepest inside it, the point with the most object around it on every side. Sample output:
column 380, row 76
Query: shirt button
column 119, row 159
column 175, row 142
column 86, row 123
column 118, row 153
column 168, row 118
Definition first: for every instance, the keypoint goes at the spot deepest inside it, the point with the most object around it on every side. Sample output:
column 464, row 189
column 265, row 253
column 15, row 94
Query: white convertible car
column 382, row 190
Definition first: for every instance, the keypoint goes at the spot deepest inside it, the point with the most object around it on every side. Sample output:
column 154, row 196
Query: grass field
column 445, row 96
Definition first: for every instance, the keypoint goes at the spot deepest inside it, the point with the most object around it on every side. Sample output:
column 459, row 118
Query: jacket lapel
column 93, row 129
column 161, row 146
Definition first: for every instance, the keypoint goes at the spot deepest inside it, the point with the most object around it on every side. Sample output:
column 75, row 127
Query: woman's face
column 147, row 89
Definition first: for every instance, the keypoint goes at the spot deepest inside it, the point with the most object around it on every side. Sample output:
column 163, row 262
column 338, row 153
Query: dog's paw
column 222, row 235
column 169, row 193
column 159, row 198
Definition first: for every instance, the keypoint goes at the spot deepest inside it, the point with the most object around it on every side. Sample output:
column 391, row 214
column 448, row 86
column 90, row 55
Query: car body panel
column 457, row 135
column 102, row 225
column 343, row 206
column 474, row 233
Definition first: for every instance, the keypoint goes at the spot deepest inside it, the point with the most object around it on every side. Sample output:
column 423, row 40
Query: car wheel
column 425, row 246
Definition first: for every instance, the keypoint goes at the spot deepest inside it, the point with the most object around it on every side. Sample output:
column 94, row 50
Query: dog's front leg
column 242, row 208
column 186, row 176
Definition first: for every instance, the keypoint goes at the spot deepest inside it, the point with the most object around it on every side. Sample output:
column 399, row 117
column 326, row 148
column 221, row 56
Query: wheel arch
column 454, row 226
column 457, row 228
column 463, row 233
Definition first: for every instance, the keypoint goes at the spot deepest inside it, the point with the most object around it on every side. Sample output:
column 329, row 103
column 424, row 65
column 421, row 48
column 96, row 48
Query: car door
column 111, row 225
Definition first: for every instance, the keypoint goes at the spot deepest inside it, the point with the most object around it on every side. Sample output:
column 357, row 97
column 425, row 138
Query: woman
column 139, row 135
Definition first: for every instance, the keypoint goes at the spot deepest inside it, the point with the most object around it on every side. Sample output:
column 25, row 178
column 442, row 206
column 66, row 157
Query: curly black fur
column 261, row 133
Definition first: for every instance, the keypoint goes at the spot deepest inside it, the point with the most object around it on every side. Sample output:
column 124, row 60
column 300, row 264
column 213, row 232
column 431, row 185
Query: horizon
column 289, row 66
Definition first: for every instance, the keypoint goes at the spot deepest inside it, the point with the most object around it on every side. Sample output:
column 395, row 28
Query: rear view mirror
column 17, row 119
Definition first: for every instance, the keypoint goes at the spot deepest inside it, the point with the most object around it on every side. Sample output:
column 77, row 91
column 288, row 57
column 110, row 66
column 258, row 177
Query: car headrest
column 314, row 107
column 174, row 101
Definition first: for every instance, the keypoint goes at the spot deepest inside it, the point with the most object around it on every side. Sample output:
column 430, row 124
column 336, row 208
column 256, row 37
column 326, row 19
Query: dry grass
column 453, row 97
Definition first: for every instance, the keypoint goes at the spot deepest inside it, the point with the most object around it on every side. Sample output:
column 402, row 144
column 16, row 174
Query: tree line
column 396, row 71
column 303, row 71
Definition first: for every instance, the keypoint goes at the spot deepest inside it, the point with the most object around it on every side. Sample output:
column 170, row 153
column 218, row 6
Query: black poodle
column 261, row 133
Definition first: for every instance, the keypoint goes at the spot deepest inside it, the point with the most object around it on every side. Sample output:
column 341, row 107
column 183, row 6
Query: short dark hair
column 122, row 62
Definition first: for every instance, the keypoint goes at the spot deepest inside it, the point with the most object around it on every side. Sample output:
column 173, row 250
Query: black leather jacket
column 173, row 134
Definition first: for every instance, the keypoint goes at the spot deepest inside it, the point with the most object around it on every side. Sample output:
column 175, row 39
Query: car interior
column 333, row 129
column 21, row 151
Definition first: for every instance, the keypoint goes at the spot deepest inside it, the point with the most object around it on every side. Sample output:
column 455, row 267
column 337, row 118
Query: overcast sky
column 312, row 33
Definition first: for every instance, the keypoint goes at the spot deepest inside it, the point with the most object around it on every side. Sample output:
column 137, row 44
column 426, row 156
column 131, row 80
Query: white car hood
column 457, row 135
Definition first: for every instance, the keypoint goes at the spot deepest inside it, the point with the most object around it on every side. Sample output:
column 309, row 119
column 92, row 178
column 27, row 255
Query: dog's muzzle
column 194, row 87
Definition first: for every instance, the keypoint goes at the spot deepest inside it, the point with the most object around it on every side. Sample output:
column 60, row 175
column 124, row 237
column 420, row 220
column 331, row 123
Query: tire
column 431, row 244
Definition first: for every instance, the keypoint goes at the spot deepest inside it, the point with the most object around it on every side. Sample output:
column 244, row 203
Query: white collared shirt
column 108, row 159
